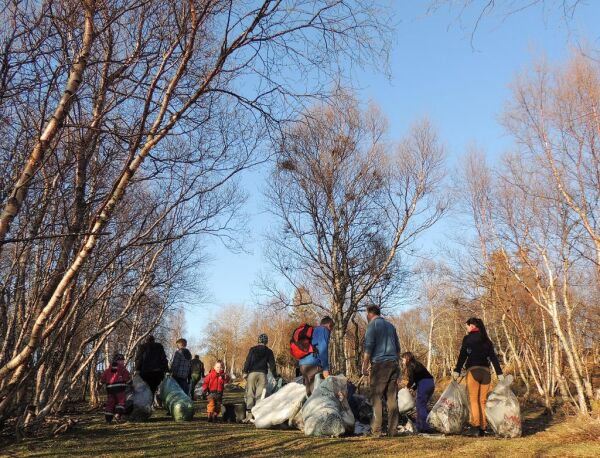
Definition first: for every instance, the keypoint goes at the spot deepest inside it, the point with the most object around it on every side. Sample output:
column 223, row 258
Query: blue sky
column 436, row 71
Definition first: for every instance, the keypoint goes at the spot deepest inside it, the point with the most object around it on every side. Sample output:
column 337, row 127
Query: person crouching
column 214, row 384
column 117, row 379
column 421, row 381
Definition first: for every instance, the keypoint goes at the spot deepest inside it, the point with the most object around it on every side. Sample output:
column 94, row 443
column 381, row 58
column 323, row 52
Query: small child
column 421, row 380
column 117, row 379
column 214, row 384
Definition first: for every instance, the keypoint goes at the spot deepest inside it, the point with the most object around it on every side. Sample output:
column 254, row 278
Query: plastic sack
column 199, row 391
column 279, row 407
column 142, row 400
column 175, row 400
column 362, row 429
column 503, row 411
column 406, row 400
column 451, row 412
column 327, row 412
column 407, row 428
column 273, row 384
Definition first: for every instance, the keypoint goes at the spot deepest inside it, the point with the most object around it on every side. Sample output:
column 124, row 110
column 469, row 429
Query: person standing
column 260, row 359
column 151, row 363
column 214, row 385
column 381, row 362
column 197, row 373
column 421, row 381
column 476, row 353
column 181, row 365
column 317, row 362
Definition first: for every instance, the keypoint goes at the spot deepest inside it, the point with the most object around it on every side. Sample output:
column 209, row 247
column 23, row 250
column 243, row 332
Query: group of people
column 151, row 364
column 382, row 364
column 382, row 360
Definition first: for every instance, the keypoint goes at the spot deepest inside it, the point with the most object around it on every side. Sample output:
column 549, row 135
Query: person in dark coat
column 197, row 373
column 181, row 366
column 151, row 363
column 260, row 359
column 421, row 381
column 476, row 354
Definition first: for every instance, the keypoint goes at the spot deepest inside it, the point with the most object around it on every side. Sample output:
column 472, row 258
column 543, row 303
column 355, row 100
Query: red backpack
column 301, row 342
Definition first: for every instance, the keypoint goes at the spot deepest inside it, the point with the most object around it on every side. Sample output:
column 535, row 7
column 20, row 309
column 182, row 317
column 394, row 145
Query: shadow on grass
column 536, row 422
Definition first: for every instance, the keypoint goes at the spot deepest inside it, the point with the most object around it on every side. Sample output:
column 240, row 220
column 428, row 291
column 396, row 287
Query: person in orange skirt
column 214, row 384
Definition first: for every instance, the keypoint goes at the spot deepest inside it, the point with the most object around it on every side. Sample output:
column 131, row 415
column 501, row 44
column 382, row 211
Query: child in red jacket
column 117, row 379
column 214, row 384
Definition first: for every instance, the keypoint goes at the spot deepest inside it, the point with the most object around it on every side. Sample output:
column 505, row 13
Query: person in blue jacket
column 381, row 363
column 315, row 363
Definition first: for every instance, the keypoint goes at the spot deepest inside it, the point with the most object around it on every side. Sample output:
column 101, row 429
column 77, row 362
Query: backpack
column 301, row 343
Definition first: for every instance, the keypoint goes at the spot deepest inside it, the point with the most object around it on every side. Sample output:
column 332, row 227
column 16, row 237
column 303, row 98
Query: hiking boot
column 481, row 432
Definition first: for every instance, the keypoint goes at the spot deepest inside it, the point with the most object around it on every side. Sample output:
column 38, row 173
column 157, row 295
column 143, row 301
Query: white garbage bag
column 451, row 412
column 406, row 400
column 503, row 411
column 327, row 412
column 142, row 400
column 279, row 407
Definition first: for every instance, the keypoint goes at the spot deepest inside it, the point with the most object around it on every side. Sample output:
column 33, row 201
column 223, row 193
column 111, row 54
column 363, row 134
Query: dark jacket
column 181, row 365
column 475, row 352
column 151, row 357
column 197, row 367
column 417, row 373
column 259, row 357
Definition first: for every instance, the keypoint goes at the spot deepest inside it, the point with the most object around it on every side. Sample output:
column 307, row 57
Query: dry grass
column 161, row 437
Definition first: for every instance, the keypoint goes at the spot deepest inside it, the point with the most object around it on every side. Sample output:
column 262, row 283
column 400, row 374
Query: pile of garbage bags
column 503, row 411
column 176, row 401
column 335, row 409
column 327, row 411
column 451, row 412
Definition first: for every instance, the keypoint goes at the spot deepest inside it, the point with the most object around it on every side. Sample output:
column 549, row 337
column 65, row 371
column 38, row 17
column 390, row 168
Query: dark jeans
column 425, row 389
column 153, row 379
column 184, row 384
column 308, row 375
column 384, row 383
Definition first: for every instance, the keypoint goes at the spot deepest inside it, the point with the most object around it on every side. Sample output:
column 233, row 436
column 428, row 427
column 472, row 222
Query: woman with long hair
column 476, row 354
column 421, row 381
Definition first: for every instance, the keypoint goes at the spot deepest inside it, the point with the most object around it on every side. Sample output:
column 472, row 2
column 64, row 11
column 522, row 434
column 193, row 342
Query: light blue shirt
column 381, row 341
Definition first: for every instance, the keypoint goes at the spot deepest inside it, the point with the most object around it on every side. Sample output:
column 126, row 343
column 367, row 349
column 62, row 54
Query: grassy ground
column 162, row 437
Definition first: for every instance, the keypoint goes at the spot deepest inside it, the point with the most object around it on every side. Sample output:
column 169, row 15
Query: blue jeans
column 425, row 389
